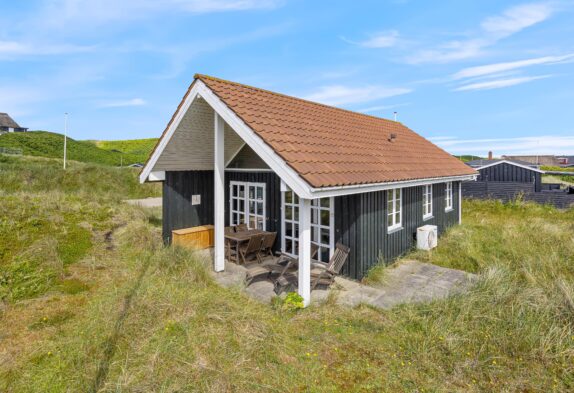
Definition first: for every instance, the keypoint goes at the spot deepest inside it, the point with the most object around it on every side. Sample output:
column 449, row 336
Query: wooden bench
column 196, row 238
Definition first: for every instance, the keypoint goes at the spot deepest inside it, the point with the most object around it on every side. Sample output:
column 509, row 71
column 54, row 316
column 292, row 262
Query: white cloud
column 489, row 69
column 123, row 103
column 517, row 18
column 379, row 40
column 377, row 108
column 66, row 14
column 543, row 144
column 14, row 48
column 342, row 95
column 493, row 29
column 500, row 83
column 205, row 6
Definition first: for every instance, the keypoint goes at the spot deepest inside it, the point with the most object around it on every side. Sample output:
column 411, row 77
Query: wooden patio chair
column 253, row 246
column 228, row 243
column 285, row 264
column 241, row 227
column 268, row 242
column 321, row 273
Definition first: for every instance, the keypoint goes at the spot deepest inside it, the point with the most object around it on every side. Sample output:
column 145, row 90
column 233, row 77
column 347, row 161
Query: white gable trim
column 144, row 175
column 510, row 163
column 267, row 154
column 278, row 165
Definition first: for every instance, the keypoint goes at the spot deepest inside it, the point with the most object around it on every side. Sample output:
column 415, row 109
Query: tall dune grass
column 154, row 320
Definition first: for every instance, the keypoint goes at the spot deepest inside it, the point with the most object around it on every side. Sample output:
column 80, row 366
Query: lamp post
column 65, row 136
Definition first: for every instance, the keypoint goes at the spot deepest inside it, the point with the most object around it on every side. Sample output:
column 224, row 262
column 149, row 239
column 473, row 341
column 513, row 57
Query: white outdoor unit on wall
column 427, row 236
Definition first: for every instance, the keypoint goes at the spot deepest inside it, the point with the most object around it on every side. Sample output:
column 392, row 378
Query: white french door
column 247, row 204
column 322, row 225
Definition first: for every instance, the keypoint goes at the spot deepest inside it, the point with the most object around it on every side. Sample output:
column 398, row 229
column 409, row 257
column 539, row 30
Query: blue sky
column 471, row 76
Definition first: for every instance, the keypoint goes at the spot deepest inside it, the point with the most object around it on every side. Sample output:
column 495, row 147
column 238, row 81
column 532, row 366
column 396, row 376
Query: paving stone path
column 405, row 282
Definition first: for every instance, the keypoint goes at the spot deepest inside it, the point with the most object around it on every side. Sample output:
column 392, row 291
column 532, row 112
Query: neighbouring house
column 536, row 159
column 506, row 180
column 312, row 173
column 7, row 124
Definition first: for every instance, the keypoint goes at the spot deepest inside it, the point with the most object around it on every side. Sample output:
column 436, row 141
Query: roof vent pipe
column 392, row 137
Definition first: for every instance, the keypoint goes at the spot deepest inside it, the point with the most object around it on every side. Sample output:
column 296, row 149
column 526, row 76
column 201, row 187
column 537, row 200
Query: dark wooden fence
column 507, row 191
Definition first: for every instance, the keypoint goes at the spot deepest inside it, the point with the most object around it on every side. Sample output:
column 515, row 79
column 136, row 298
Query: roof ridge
column 199, row 76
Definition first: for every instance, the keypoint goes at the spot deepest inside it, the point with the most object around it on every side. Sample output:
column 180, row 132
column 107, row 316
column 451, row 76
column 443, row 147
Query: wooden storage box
column 196, row 237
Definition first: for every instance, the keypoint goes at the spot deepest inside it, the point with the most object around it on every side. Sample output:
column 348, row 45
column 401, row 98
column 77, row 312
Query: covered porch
column 233, row 178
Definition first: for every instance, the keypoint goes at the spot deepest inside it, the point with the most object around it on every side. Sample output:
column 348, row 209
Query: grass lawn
column 92, row 301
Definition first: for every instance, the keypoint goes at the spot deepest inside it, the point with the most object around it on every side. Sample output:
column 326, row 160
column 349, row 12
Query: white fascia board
column 509, row 163
column 170, row 131
column 267, row 154
column 156, row 176
column 362, row 188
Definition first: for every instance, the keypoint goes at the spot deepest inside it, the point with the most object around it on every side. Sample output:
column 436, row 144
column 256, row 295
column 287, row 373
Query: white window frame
column 245, row 212
column 448, row 197
column 427, row 201
column 315, row 226
column 294, row 238
column 396, row 202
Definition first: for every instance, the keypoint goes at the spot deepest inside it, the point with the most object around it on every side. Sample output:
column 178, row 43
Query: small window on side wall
column 394, row 210
column 427, row 201
column 448, row 196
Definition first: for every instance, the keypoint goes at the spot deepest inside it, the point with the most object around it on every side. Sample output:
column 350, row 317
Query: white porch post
column 219, row 191
column 460, row 202
column 304, row 274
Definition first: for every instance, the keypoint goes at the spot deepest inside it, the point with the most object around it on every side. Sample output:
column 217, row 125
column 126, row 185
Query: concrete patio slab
column 405, row 282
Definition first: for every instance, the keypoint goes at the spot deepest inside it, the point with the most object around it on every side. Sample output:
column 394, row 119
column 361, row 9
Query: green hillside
column 50, row 144
column 140, row 148
column 467, row 158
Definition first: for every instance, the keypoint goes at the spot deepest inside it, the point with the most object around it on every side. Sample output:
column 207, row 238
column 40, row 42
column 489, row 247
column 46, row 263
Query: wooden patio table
column 241, row 237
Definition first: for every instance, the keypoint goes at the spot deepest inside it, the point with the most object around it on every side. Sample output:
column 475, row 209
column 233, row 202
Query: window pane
column 234, row 204
column 295, row 198
column 288, row 246
column 325, row 217
column 288, row 212
column 325, row 202
column 325, row 236
column 260, row 208
column 296, row 230
column 389, row 206
column 252, row 207
column 289, row 197
column 296, row 211
column 397, row 218
column 389, row 220
column 259, row 193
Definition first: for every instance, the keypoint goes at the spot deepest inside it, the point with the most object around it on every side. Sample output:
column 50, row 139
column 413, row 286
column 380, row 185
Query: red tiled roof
column 329, row 146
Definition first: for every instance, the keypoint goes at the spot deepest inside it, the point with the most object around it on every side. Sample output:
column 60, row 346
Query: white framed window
column 394, row 209
column 247, row 204
column 322, row 225
column 290, row 223
column 448, row 196
column 427, row 201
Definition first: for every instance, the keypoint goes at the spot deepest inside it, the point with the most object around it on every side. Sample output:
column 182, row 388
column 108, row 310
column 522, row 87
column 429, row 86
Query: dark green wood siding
column 360, row 219
column 179, row 186
column 360, row 223
column 510, row 173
